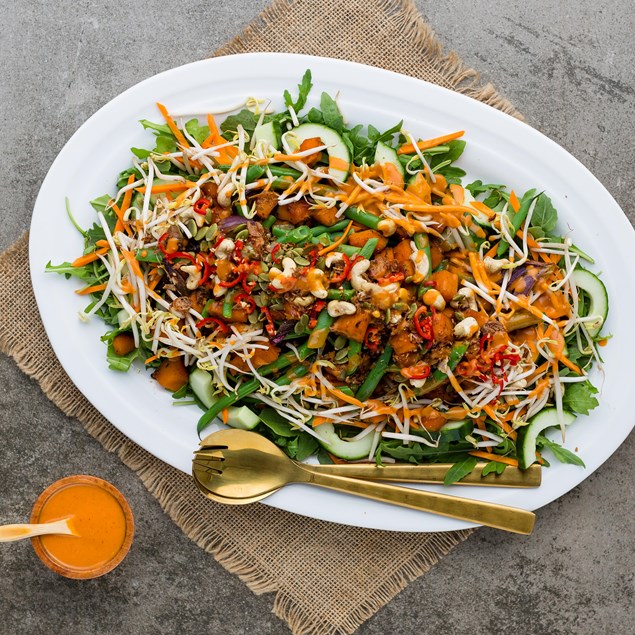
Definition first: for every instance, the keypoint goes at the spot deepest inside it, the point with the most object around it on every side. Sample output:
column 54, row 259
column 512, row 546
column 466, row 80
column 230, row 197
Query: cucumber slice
column 385, row 154
column 526, row 440
column 268, row 132
column 457, row 430
column 238, row 417
column 598, row 296
column 242, row 417
column 350, row 450
column 201, row 385
column 336, row 148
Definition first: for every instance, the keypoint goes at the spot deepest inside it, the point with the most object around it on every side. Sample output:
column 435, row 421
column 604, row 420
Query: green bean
column 423, row 242
column 340, row 294
column 269, row 221
column 279, row 231
column 285, row 360
column 318, row 336
column 517, row 220
column 375, row 375
column 224, row 402
column 295, row 373
column 208, row 304
column 259, row 171
column 456, row 355
column 253, row 385
column 296, row 236
column 349, row 250
column 149, row 255
column 363, row 218
column 323, row 229
column 354, row 357
column 228, row 304
column 368, row 249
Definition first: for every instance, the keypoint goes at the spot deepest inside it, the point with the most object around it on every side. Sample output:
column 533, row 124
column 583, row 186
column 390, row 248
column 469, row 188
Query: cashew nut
column 434, row 299
column 315, row 283
column 224, row 196
column 359, row 283
column 336, row 308
column 189, row 213
column 421, row 263
column 387, row 227
column 465, row 328
column 280, row 279
column 218, row 290
column 464, row 295
column 494, row 266
column 193, row 277
column 304, row 300
column 333, row 257
column 224, row 249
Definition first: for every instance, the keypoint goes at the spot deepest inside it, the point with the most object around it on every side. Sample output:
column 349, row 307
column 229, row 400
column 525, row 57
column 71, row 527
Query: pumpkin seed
column 200, row 234
column 264, row 267
column 299, row 328
column 340, row 341
column 253, row 318
column 242, row 234
column 211, row 232
column 192, row 226
column 341, row 355
column 302, row 261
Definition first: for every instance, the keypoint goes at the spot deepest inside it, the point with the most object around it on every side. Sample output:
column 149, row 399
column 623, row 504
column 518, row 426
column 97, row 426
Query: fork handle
column 510, row 519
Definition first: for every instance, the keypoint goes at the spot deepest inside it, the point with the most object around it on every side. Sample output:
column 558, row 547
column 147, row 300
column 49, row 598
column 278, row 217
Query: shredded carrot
column 172, row 126
column 569, row 364
column 213, row 132
column 225, row 415
column 133, row 263
column 513, row 201
column 88, row 258
column 151, row 359
column 338, row 242
column 344, row 397
column 408, row 148
column 127, row 287
column 494, row 457
column 94, row 289
column 168, row 187
column 127, row 198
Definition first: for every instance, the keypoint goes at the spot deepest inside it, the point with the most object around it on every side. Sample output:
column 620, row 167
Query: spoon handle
column 10, row 533
column 511, row 519
column 434, row 473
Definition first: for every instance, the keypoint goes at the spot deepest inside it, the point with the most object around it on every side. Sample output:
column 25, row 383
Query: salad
column 342, row 291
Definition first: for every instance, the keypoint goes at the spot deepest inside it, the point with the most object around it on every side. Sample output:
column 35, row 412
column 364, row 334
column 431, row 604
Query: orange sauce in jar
column 100, row 519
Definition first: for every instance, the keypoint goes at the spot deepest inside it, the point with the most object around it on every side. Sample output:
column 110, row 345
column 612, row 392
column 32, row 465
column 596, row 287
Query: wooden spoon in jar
column 10, row 533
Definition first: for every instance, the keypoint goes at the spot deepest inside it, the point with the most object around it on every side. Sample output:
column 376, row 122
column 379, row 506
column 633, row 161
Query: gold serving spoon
column 9, row 533
column 237, row 467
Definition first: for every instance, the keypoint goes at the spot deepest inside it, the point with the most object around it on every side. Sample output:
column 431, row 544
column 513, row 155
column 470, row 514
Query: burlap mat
column 326, row 578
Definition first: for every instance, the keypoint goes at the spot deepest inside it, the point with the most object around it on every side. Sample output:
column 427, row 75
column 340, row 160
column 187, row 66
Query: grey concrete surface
column 569, row 67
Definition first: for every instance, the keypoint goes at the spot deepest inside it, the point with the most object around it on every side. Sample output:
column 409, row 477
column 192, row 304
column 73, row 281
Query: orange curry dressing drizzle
column 97, row 519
